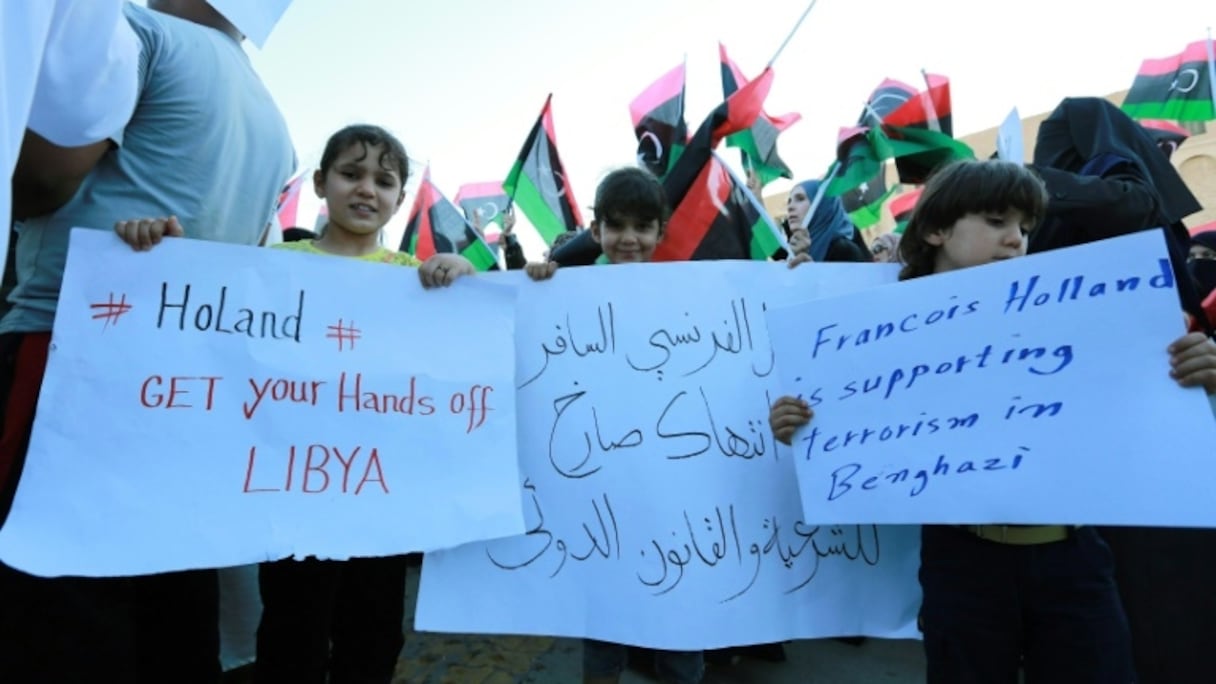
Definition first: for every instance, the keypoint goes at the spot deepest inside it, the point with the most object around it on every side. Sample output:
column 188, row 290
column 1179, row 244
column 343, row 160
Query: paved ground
column 460, row 659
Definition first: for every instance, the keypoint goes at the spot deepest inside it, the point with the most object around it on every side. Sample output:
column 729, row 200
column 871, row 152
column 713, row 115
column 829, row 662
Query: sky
column 461, row 82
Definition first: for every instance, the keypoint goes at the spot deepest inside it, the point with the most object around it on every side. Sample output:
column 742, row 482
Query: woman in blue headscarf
column 833, row 236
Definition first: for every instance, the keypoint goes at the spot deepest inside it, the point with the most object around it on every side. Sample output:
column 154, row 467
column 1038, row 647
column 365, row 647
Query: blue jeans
column 1051, row 609
column 604, row 659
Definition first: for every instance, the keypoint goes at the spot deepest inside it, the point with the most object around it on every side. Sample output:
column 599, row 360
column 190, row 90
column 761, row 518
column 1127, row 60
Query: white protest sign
column 1034, row 390
column 1009, row 145
column 208, row 405
column 660, row 512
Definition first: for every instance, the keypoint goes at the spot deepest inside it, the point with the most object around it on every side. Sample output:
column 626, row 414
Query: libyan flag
column 537, row 182
column 1177, row 87
column 486, row 199
column 916, row 134
column 658, row 122
column 690, row 188
column 437, row 227
column 901, row 209
column 710, row 219
column 719, row 216
column 921, row 132
column 864, row 203
column 758, row 143
column 1168, row 135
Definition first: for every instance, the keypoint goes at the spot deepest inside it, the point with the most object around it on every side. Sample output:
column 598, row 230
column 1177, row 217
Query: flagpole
column 927, row 99
column 1211, row 70
column 791, row 33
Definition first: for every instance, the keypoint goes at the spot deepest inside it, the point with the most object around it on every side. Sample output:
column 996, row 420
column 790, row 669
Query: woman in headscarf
column 833, row 235
column 1106, row 177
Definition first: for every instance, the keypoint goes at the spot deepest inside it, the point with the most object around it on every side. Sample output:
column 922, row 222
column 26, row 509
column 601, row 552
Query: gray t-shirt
column 206, row 143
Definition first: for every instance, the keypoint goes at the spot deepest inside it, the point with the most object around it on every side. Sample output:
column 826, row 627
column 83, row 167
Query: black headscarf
column 1089, row 136
column 1084, row 128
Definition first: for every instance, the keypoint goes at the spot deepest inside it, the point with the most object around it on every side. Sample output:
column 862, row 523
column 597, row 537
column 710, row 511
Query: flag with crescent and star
column 758, row 143
column 864, row 203
column 1177, row 88
column 537, row 182
column 658, row 122
column 1168, row 135
column 921, row 132
column 707, row 221
column 436, row 226
column 901, row 123
column 484, row 204
column 719, row 218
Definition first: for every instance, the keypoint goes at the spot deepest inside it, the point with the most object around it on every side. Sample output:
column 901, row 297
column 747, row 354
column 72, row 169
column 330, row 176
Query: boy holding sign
column 1004, row 598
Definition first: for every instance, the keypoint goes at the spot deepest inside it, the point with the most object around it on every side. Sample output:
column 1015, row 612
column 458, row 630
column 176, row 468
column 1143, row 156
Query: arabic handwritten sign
column 197, row 415
column 660, row 512
column 1029, row 391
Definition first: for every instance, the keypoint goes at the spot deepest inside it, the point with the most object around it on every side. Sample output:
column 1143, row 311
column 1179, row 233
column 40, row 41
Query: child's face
column 627, row 240
column 978, row 239
column 360, row 194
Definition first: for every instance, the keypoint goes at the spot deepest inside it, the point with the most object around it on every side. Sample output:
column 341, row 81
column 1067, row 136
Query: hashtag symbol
column 111, row 310
column 344, row 333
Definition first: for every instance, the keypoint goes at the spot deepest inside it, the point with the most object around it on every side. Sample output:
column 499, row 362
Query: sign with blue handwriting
column 208, row 405
column 1034, row 391
column 660, row 512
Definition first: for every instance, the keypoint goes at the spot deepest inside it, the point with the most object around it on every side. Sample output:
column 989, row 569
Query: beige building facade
column 1195, row 161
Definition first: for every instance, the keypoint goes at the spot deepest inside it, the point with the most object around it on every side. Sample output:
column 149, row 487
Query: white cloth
column 254, row 18
column 68, row 71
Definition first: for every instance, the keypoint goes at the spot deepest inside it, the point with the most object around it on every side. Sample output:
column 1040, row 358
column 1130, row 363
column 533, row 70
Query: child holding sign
column 999, row 598
column 631, row 213
column 357, row 604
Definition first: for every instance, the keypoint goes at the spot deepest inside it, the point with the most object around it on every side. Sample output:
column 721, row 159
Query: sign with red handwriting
column 1035, row 391
column 659, row 510
column 209, row 405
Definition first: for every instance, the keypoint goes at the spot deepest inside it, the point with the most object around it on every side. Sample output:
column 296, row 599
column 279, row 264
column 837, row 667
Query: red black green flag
column 736, row 113
column 902, row 123
column 1168, row 135
column 689, row 186
column 1177, row 87
column 864, row 203
column 537, row 182
column 485, row 199
column 658, row 122
column 921, row 132
column 860, row 153
column 889, row 96
column 758, row 143
column 929, row 108
column 714, row 216
column 860, row 177
column 902, row 207
column 436, row 226
column 718, row 219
